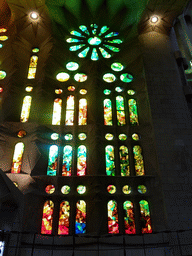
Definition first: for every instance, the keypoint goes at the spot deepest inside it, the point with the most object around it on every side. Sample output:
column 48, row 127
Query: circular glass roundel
column 109, row 78
column 83, row 91
column 126, row 78
column 2, row 74
column 62, row 77
column 111, row 189
column 50, row 189
column 71, row 88
column 21, row 133
column 118, row 89
column 142, row 189
column 81, row 189
column 1, row 45
column 94, row 40
column 131, row 92
column 54, row 136
column 72, row 66
column 35, row 50
column 1, row 89
column 126, row 189
column 80, row 77
column 3, row 38
column 29, row 88
column 122, row 136
column 135, row 136
column 116, row 66
column 58, row 91
column 107, row 92
column 68, row 136
column 109, row 136
column 82, row 136
column 3, row 30
column 65, row 190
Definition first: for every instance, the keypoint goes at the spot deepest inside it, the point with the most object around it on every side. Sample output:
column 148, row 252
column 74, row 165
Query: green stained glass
column 111, row 189
column 118, row 89
column 126, row 189
column 126, row 78
column 75, row 33
column 108, row 112
column 135, row 136
column 124, row 161
column 103, row 30
column 81, row 189
column 110, row 161
column 94, row 40
column 65, row 190
column 131, row 92
column 94, row 55
column 139, row 164
column 122, row 136
column 35, row 50
column 109, row 78
column 105, row 54
column 80, row 77
column 54, row 136
column 83, row 54
column 120, row 110
column 112, row 48
column 116, row 66
column 67, row 161
column 113, row 225
column 115, row 41
column 53, row 160
column 68, row 136
column 73, row 40
column 112, row 34
column 107, row 92
column 82, row 136
column 2, row 74
column 72, row 66
column 145, row 217
column 76, row 47
column 84, row 29
column 133, row 112
column 94, row 30
column 142, row 189
column 109, row 136
column 80, row 220
column 129, row 219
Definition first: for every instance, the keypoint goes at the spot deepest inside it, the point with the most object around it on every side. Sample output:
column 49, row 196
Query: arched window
column 17, row 158
column 32, row 67
column 124, row 161
column 69, row 119
column 81, row 160
column 64, row 213
column 25, row 109
column 47, row 220
column 53, row 160
column 57, row 112
column 139, row 164
column 110, row 160
column 129, row 219
column 113, row 225
column 108, row 112
column 80, row 222
column 82, row 112
column 133, row 115
column 120, row 110
column 145, row 217
column 67, row 161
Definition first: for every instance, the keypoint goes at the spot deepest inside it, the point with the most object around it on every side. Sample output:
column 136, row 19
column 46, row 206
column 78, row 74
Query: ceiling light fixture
column 34, row 15
column 154, row 19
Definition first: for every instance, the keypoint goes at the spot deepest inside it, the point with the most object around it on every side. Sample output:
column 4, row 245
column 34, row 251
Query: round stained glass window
column 109, row 136
column 142, row 189
column 29, row 89
column 1, row 45
column 1, row 89
column 68, row 136
column 82, row 136
column 58, row 91
column 3, row 38
column 126, row 189
column 2, row 74
column 54, row 136
column 135, row 136
column 62, row 77
column 35, row 50
column 111, row 189
column 109, row 78
column 83, row 91
column 3, row 30
column 126, row 78
column 71, row 88
column 80, row 77
column 21, row 134
column 107, row 92
column 50, row 189
column 122, row 136
column 72, row 66
column 65, row 190
column 118, row 89
column 131, row 92
column 81, row 189
column 116, row 66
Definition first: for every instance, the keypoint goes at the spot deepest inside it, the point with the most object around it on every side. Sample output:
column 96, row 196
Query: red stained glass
column 113, row 225
column 47, row 220
column 63, row 227
column 82, row 112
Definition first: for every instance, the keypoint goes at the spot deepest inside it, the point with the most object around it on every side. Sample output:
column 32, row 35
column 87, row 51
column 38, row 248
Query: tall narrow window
column 47, row 220
column 133, row 112
column 53, row 160
column 80, row 222
column 32, row 67
column 64, row 213
column 69, row 119
column 81, row 160
column 129, row 219
column 120, row 110
column 139, row 165
column 82, row 112
column 25, row 109
column 17, row 158
column 108, row 112
column 110, row 161
column 124, row 161
column 57, row 111
column 67, row 161
column 145, row 217
column 113, row 225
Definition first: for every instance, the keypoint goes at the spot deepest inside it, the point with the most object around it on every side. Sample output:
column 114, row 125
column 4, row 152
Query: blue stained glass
column 76, row 47
column 115, row 41
column 83, row 54
column 53, row 160
column 75, row 33
column 67, row 161
column 80, row 222
column 112, row 34
column 105, row 53
column 103, row 30
column 84, row 29
column 73, row 40
column 112, row 48
column 94, row 55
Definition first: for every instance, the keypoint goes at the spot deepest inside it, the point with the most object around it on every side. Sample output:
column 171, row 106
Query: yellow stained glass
column 82, row 112
column 3, row 38
column 25, row 109
column 57, row 111
column 69, row 119
column 17, row 158
column 32, row 67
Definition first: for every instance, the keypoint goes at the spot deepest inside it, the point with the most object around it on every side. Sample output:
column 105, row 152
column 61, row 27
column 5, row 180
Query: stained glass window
column 135, row 136
column 145, row 217
column 110, row 161
column 62, row 77
column 126, row 78
column 21, row 133
column 2, row 74
column 129, row 219
column 81, row 160
column 82, row 112
column 81, row 189
column 47, row 220
column 126, row 189
column 65, row 189
column 17, row 158
column 107, row 91
column 109, row 78
column 54, row 136
column 32, row 67
column 109, row 136
column 139, row 165
column 133, row 112
column 68, row 136
column 80, row 222
column 142, row 189
column 82, row 136
column 113, row 225
column 50, row 189
column 56, row 120
column 111, row 189
column 64, row 213
column 122, row 136
column 124, row 161
column 120, row 110
column 53, row 160
column 69, row 119
column 108, row 112
column 116, row 66
column 80, row 77
column 29, row 89
column 25, row 109
column 72, row 66
column 67, row 161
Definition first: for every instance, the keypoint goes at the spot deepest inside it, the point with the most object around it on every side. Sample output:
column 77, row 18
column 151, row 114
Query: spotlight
column 154, row 19
column 34, row 15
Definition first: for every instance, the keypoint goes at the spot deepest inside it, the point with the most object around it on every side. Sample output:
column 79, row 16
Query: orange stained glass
column 25, row 109
column 56, row 120
column 17, row 158
column 82, row 112
column 47, row 220
column 64, row 213
column 69, row 119
column 32, row 67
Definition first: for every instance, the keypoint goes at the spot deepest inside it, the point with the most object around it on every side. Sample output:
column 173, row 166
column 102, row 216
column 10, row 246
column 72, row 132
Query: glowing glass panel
column 65, row 190
column 31, row 73
column 80, row 77
column 109, row 78
column 135, row 136
column 118, row 89
column 82, row 112
column 94, row 30
column 110, row 160
column 1, row 89
column 58, row 91
column 83, row 91
column 68, row 136
column 29, row 89
column 81, row 189
column 47, row 220
column 82, row 136
column 133, row 112
column 69, row 119
column 56, row 120
column 17, row 158
column 112, row 48
column 81, row 160
column 2, row 74
column 1, row 45
column 25, row 109
column 76, row 47
column 94, row 40
column 145, row 217
column 73, row 40
column 72, row 66
column 64, row 213
column 109, row 136
column 131, row 92
column 71, row 88
column 32, row 67
column 122, row 136
column 113, row 225
column 67, row 161
column 112, row 34
column 104, row 53
column 84, row 29
column 124, row 161
column 3, row 30
column 108, row 112
column 126, row 189
column 53, row 161
column 83, row 54
column 94, row 55
column 16, row 185
column 103, row 30
column 120, row 110
column 3, row 38
column 75, row 33
column 107, row 92
column 115, row 41
column 50, row 189
column 111, row 189
column 35, row 50
column 116, row 66
column 21, row 134
column 139, row 165
column 62, row 77
column 80, row 220
column 142, row 189
column 129, row 219
column 126, row 78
